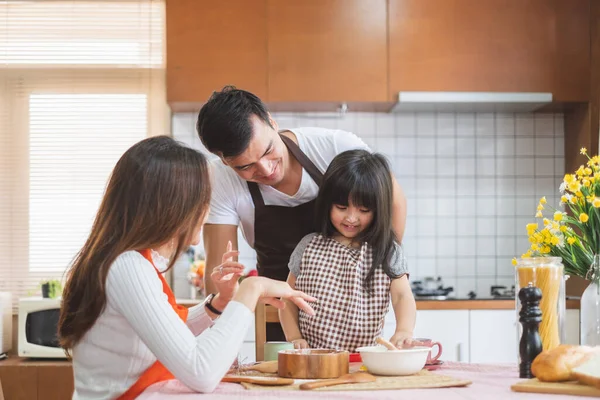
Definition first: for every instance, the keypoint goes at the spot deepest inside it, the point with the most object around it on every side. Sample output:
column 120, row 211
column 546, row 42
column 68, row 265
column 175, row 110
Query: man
column 266, row 182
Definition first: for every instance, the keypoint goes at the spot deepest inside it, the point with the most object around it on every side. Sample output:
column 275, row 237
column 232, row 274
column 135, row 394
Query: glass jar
column 590, row 307
column 546, row 273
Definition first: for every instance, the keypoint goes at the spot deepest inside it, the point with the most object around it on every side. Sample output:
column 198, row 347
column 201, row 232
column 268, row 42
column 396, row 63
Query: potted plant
column 51, row 288
column 574, row 236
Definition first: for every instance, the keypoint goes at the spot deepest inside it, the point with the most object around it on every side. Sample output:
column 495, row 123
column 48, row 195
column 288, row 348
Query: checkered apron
column 347, row 315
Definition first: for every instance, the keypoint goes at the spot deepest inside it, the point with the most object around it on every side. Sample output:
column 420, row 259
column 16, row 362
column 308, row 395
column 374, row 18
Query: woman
column 119, row 318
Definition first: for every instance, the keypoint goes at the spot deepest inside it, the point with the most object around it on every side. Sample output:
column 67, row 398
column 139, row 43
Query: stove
column 496, row 293
column 502, row 292
column 431, row 289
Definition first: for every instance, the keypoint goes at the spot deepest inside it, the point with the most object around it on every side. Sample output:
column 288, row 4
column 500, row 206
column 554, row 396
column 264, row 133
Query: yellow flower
column 546, row 222
column 588, row 171
column 580, row 171
column 583, row 217
column 574, row 186
column 538, row 214
column 555, row 225
column 583, row 150
column 514, row 261
column 543, row 200
column 571, row 240
column 596, row 202
column 558, row 216
column 563, row 229
column 545, row 250
column 531, row 228
column 569, row 178
column 555, row 240
column 535, row 247
column 540, row 207
column 586, row 182
column 527, row 254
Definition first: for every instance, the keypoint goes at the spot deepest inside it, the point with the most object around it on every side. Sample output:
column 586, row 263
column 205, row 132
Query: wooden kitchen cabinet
column 211, row 44
column 492, row 45
column 327, row 51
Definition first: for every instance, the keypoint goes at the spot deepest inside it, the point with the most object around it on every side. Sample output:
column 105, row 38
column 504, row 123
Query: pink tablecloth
column 490, row 382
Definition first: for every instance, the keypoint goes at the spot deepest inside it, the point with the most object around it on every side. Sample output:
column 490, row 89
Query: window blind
column 82, row 81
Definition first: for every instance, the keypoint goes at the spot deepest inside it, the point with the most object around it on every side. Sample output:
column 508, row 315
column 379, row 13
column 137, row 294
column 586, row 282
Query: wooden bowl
column 312, row 363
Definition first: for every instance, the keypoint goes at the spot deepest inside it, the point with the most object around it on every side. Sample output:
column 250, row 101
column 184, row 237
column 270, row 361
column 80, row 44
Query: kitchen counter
column 449, row 304
column 477, row 304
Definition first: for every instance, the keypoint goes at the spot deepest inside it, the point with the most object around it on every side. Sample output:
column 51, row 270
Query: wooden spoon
column 267, row 367
column 354, row 377
column 258, row 380
column 386, row 343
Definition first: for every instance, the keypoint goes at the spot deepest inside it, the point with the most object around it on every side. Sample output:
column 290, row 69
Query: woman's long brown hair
column 158, row 191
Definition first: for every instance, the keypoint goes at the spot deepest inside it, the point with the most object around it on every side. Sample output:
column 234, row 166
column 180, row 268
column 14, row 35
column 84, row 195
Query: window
column 74, row 142
column 80, row 82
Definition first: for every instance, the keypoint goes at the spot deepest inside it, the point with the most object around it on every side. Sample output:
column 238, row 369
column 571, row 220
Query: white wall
column 472, row 182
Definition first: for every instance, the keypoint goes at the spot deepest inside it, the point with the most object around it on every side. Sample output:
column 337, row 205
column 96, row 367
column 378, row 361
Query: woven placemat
column 422, row 380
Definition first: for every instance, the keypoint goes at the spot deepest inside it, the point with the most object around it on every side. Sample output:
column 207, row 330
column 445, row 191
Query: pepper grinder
column 530, row 317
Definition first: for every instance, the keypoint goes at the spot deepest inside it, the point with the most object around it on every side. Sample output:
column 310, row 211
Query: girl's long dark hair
column 158, row 191
column 364, row 179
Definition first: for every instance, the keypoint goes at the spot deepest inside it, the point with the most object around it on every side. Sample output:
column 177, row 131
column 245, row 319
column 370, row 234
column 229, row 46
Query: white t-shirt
column 139, row 326
column 231, row 202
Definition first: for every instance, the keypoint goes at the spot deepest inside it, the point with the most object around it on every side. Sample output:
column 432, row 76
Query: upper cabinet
column 327, row 50
column 492, row 45
column 211, row 44
column 314, row 54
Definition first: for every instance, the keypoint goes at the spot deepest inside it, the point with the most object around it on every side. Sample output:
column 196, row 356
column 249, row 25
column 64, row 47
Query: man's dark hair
column 224, row 121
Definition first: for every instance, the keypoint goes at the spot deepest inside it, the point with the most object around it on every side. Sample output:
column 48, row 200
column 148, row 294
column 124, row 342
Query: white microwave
column 38, row 328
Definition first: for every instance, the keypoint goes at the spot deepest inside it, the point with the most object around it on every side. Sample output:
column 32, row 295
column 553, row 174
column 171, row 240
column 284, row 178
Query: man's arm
column 398, row 210
column 216, row 238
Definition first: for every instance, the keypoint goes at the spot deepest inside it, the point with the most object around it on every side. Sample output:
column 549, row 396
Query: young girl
column 353, row 264
column 119, row 318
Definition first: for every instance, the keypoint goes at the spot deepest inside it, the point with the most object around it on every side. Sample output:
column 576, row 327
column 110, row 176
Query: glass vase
column 590, row 307
column 547, row 274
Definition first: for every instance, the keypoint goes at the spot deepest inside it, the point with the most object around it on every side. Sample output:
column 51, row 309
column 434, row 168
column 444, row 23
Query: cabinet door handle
column 461, row 355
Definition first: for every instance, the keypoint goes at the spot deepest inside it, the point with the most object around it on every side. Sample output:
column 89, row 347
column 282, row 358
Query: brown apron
column 347, row 315
column 279, row 229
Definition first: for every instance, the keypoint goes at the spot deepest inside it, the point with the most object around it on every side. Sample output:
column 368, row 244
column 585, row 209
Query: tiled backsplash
column 472, row 182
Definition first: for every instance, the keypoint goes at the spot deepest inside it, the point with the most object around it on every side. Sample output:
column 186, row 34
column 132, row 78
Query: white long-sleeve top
column 139, row 326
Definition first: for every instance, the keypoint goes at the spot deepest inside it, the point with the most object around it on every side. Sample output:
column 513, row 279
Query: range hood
column 470, row 101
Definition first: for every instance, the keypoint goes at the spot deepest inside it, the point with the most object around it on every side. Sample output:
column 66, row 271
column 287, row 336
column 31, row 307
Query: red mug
column 428, row 343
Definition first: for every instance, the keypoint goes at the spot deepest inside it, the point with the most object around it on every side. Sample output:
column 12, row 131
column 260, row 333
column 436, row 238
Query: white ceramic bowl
column 381, row 361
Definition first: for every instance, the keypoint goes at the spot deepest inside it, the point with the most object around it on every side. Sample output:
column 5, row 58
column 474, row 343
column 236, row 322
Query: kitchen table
column 490, row 382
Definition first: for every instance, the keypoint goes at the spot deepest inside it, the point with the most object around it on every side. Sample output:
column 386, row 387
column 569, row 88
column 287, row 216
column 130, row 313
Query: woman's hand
column 226, row 276
column 273, row 292
column 269, row 291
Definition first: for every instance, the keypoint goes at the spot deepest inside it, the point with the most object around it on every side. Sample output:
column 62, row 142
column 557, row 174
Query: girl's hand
column 226, row 276
column 401, row 339
column 300, row 344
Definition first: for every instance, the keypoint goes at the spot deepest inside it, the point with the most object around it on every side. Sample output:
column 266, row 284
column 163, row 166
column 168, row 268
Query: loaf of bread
column 557, row 365
column 588, row 373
